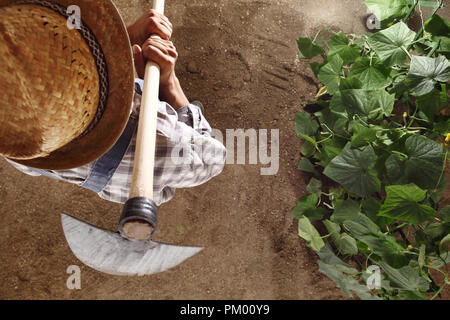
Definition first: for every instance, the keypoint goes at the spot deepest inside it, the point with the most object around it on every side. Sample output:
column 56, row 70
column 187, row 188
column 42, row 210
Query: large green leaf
column 339, row 44
column 354, row 170
column 372, row 104
column 389, row 44
column 425, row 72
column 387, row 9
column 307, row 49
column 383, row 245
column 423, row 165
column 405, row 278
column 330, row 73
column 345, row 210
column 308, row 232
column 402, row 203
column 307, row 206
column 372, row 73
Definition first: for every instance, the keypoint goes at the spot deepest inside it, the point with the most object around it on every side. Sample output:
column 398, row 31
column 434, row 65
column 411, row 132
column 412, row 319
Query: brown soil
column 240, row 59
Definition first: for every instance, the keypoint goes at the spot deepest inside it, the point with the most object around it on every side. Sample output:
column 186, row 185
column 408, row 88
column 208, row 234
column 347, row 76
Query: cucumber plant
column 375, row 143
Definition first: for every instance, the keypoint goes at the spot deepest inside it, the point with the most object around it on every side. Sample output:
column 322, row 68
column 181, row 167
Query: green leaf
column 304, row 125
column 437, row 26
column 330, row 149
column 330, row 73
column 308, row 232
column 335, row 121
column 371, row 207
column 368, row 103
column 425, row 160
column 372, row 73
column 412, row 295
column 350, row 83
column 425, row 72
column 423, row 166
column 387, row 9
column 389, row 44
column 345, row 210
column 345, row 282
column 339, row 44
column 402, row 203
column 432, row 102
column 383, row 245
column 308, row 147
column 354, row 170
column 333, row 228
column 327, row 255
column 405, row 278
column 362, row 135
column 316, row 66
column 444, row 214
column 344, row 242
column 314, row 186
column 443, row 245
column 308, row 49
column 307, row 206
column 436, row 230
column 306, row 166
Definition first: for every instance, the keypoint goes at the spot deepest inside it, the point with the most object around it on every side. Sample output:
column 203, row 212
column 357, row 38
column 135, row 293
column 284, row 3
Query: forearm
column 172, row 93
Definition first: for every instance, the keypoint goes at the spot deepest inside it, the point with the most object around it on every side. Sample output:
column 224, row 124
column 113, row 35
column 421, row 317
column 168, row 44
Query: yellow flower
column 431, row 263
column 368, row 249
column 405, row 114
column 447, row 140
column 410, row 247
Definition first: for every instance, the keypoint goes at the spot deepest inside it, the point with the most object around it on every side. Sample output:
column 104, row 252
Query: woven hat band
column 53, row 88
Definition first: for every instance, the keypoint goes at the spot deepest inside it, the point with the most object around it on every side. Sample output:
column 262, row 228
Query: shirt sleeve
column 187, row 153
column 24, row 169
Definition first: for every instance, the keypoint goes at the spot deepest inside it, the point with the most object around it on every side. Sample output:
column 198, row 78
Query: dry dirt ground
column 240, row 59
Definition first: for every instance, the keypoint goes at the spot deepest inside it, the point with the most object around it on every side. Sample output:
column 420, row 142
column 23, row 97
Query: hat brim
column 105, row 21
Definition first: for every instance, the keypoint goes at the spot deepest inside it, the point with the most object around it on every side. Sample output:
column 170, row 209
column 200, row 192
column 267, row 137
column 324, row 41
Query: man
column 186, row 154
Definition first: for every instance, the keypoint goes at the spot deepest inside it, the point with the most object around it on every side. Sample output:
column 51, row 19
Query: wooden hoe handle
column 139, row 217
column 144, row 158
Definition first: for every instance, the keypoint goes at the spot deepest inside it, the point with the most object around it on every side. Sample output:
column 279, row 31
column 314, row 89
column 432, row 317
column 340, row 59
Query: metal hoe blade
column 108, row 252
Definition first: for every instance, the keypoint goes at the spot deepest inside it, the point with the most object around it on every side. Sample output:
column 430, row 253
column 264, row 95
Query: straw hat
column 65, row 95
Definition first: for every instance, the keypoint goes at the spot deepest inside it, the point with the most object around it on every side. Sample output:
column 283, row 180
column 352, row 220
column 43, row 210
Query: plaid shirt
column 186, row 156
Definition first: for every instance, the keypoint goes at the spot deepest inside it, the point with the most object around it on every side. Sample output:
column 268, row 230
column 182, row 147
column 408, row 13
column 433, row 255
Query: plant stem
column 443, row 169
column 438, row 44
column 439, row 291
column 410, row 12
column 422, row 28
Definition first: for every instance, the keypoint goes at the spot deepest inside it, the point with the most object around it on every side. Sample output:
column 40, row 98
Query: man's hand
column 163, row 53
column 150, row 23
